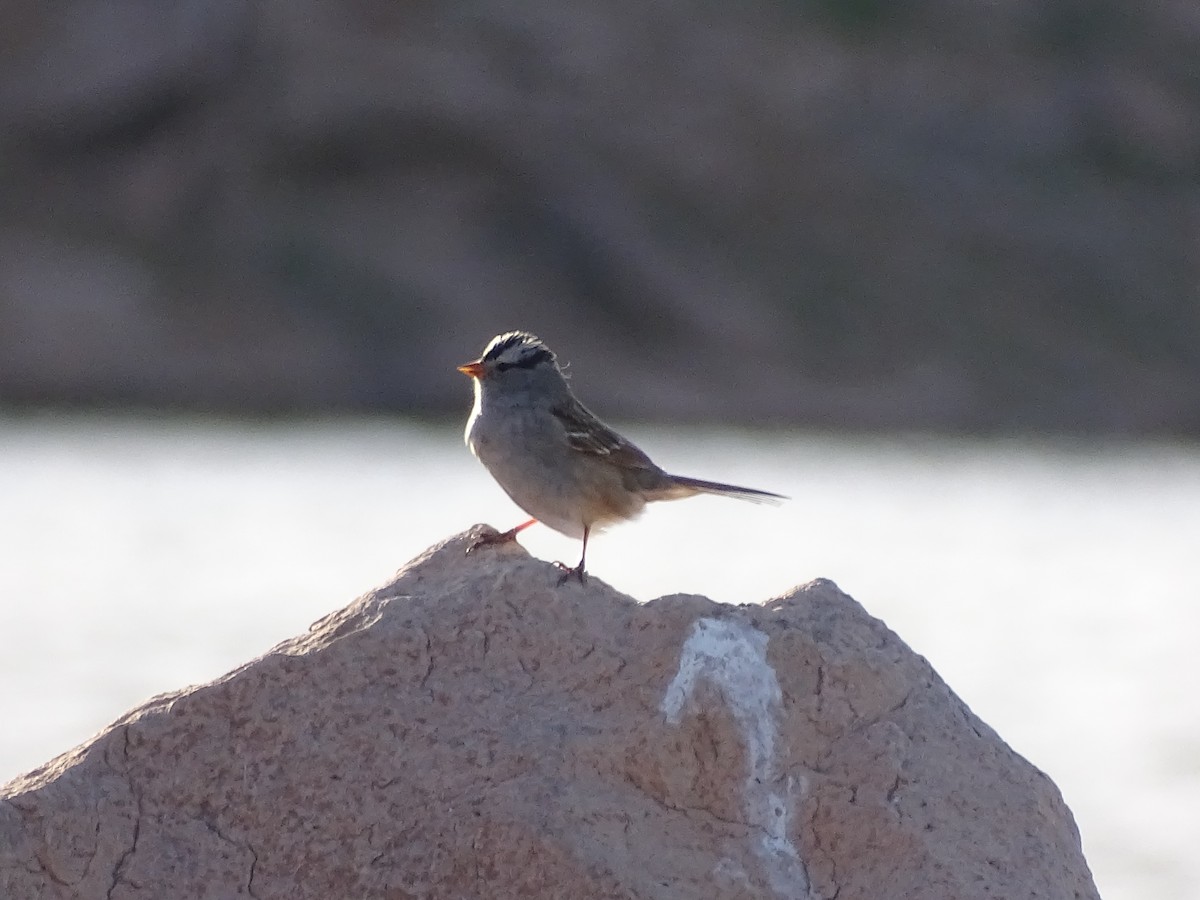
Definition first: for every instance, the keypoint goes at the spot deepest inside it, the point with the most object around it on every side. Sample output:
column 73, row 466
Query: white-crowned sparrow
column 556, row 460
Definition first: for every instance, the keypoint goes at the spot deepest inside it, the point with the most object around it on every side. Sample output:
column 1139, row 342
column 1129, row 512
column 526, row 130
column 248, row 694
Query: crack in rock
column 137, row 822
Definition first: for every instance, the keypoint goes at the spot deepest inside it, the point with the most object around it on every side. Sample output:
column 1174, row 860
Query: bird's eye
column 528, row 360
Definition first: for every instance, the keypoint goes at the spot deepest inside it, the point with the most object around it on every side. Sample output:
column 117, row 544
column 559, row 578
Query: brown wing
column 587, row 434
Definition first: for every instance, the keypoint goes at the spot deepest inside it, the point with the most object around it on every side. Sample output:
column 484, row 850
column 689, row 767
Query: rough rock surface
column 473, row 730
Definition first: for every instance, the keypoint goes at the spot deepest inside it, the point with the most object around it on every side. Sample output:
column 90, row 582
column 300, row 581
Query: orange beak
column 474, row 369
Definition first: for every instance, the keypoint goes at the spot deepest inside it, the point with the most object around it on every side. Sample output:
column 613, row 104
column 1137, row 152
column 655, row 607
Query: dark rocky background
column 972, row 215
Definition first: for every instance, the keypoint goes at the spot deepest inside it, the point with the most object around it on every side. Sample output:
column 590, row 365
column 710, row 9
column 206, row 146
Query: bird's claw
column 502, row 537
column 489, row 540
column 569, row 572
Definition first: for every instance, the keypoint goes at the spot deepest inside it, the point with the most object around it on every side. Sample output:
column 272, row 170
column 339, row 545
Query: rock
column 474, row 730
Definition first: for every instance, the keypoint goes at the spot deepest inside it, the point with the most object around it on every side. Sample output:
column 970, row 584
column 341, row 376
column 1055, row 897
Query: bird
column 554, row 458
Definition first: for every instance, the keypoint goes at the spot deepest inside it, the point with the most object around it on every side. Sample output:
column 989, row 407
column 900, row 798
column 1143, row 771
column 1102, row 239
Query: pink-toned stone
column 474, row 730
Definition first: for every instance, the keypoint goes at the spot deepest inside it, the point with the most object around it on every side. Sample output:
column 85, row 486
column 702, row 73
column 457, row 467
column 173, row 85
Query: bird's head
column 517, row 352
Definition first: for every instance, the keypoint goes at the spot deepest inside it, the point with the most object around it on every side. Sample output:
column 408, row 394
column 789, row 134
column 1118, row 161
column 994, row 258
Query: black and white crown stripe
column 517, row 349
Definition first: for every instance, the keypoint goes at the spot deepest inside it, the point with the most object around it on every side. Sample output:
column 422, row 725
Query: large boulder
column 473, row 729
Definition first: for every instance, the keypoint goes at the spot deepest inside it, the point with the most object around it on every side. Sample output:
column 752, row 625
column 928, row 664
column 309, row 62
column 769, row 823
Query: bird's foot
column 569, row 572
column 499, row 537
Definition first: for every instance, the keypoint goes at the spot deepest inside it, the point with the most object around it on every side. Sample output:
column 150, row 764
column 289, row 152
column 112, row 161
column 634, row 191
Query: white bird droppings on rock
column 732, row 657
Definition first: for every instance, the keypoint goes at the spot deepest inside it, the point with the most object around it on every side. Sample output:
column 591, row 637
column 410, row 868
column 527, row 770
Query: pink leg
column 502, row 537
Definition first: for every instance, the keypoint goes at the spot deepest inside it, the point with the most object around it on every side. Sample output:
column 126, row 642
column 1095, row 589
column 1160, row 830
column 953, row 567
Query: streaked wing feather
column 587, row 434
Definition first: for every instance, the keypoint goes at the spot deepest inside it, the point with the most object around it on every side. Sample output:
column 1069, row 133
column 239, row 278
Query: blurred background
column 931, row 213
column 930, row 267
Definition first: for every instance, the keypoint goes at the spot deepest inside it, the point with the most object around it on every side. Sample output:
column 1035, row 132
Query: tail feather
column 686, row 487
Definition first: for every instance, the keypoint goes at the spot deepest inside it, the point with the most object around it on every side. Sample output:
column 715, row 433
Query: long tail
column 686, row 487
